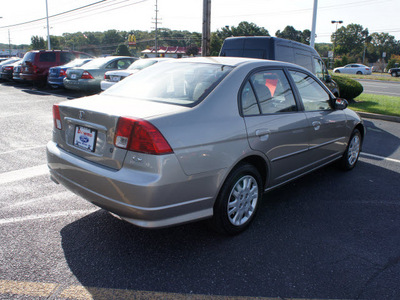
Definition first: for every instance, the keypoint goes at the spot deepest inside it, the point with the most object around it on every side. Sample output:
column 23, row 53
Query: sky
column 376, row 15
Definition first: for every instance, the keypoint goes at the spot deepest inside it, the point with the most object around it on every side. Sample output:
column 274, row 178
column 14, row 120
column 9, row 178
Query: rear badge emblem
column 81, row 115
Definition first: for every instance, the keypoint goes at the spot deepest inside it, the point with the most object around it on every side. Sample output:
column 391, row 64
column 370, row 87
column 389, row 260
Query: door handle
column 262, row 132
column 316, row 125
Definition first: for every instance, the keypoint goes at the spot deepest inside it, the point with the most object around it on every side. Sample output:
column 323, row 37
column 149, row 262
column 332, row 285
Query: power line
column 80, row 10
column 41, row 19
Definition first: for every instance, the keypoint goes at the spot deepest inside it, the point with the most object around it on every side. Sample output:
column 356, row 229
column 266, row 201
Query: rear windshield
column 98, row 62
column 77, row 63
column 176, row 83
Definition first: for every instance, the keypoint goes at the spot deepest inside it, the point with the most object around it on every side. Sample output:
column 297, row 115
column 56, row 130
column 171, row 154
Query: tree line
column 351, row 43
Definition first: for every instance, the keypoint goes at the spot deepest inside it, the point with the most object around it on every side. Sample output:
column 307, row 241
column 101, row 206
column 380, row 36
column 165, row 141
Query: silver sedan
column 200, row 138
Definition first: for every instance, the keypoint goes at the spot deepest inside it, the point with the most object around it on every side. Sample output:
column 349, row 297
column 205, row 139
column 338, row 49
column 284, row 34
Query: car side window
column 66, row 57
column 249, row 101
column 319, row 68
column 123, row 64
column 272, row 92
column 47, row 57
column 313, row 95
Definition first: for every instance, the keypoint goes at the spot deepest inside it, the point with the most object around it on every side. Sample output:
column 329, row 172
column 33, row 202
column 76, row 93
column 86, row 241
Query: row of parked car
column 71, row 69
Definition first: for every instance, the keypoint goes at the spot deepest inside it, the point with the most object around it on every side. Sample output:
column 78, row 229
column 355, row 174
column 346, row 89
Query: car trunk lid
column 88, row 125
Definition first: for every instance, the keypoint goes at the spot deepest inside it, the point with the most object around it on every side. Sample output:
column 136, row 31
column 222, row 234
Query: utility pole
column 205, row 43
column 156, row 30
column 314, row 22
column 9, row 42
column 48, row 28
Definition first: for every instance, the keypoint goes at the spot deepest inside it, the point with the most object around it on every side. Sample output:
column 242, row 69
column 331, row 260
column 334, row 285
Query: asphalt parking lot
column 328, row 235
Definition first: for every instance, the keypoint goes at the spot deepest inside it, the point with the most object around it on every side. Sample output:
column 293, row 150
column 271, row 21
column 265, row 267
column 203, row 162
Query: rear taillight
column 62, row 73
column 57, row 117
column 8, row 68
column 86, row 75
column 35, row 68
column 140, row 136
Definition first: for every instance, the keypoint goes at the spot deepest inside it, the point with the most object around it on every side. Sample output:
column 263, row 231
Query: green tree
column 193, row 50
column 56, row 42
column 380, row 43
column 290, row 33
column 122, row 50
column 350, row 40
column 38, row 43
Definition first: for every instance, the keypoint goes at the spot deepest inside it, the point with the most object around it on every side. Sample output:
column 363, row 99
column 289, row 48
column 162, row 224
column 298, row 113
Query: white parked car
column 354, row 69
column 112, row 77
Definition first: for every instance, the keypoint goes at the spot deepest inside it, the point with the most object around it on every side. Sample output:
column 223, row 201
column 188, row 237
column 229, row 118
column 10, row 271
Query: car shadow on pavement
column 385, row 144
column 329, row 234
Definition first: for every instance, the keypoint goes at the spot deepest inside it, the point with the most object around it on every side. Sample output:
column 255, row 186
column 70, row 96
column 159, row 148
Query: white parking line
column 33, row 200
column 23, row 149
column 48, row 216
column 26, row 173
column 380, row 157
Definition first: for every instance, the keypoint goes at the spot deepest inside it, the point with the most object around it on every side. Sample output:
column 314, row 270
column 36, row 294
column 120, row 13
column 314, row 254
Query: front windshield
column 177, row 83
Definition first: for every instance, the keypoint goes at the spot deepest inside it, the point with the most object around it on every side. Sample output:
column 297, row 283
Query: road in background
column 388, row 88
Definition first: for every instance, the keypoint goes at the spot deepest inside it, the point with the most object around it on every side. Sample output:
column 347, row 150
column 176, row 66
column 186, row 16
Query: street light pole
column 314, row 22
column 334, row 41
column 48, row 28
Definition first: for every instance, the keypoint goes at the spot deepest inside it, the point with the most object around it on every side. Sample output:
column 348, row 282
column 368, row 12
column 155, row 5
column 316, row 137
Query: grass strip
column 377, row 104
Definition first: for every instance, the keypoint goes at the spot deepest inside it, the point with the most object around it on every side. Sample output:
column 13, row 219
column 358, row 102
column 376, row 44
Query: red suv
column 36, row 64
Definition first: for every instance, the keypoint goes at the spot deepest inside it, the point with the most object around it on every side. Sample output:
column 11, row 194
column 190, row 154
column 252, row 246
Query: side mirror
column 341, row 103
column 328, row 78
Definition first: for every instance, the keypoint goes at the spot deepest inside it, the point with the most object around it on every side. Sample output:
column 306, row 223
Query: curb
column 379, row 117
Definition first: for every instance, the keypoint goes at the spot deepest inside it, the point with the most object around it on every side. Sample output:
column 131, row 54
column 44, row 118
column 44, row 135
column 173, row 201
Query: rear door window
column 267, row 92
column 48, row 57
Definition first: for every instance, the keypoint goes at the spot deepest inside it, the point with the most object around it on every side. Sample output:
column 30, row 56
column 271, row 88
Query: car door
column 274, row 124
column 326, row 126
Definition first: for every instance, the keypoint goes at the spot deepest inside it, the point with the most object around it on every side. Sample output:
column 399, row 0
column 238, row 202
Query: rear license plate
column 114, row 78
column 73, row 76
column 85, row 138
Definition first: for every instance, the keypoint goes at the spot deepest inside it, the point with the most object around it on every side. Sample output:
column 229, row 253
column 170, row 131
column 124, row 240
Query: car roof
column 235, row 61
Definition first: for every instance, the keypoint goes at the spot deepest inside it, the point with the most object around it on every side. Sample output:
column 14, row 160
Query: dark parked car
column 198, row 138
column 6, row 70
column 36, row 64
column 57, row 74
column 16, row 73
column 395, row 72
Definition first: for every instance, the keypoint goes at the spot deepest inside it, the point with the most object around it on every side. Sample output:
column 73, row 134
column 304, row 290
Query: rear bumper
column 146, row 199
column 6, row 75
column 55, row 81
column 31, row 77
column 82, row 84
column 106, row 84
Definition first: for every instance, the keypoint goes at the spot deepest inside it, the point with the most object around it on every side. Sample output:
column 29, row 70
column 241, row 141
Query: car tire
column 394, row 74
column 359, row 73
column 352, row 153
column 337, row 71
column 238, row 200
